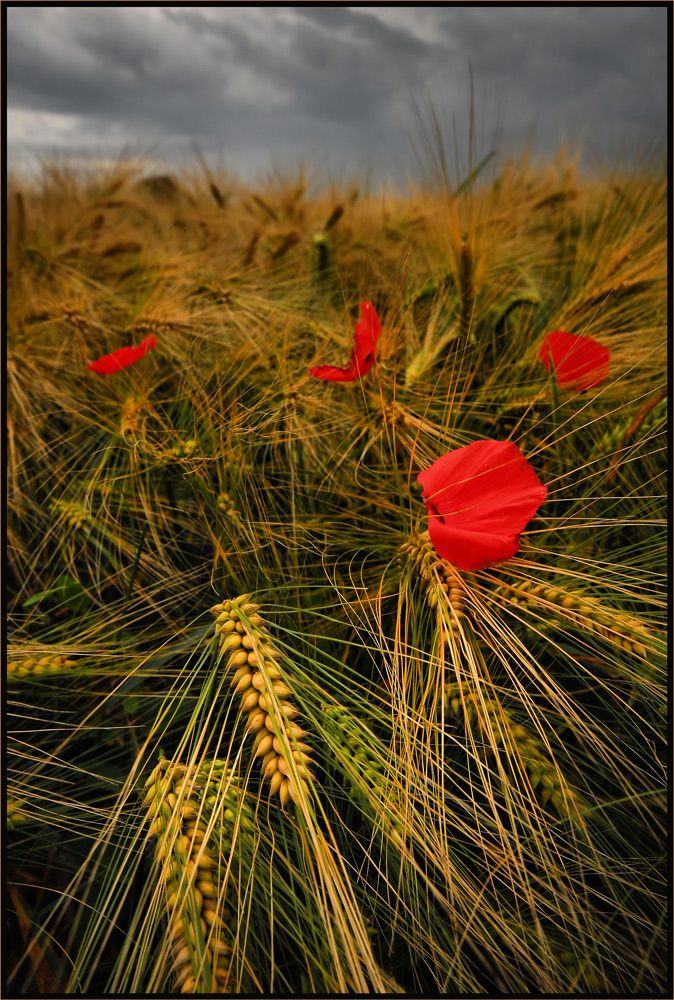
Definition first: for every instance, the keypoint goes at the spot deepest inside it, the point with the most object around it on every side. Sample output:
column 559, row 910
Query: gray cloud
column 309, row 81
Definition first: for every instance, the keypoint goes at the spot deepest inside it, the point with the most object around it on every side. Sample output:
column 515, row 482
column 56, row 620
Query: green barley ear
column 466, row 292
column 368, row 783
column 322, row 245
column 260, row 680
column 74, row 514
column 226, row 505
column 495, row 731
column 15, row 813
column 183, row 449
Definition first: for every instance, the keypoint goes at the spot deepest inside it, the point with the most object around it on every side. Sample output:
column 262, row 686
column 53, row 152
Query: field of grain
column 263, row 737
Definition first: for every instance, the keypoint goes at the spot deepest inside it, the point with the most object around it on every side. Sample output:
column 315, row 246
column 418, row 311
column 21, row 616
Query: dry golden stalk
column 121, row 248
column 48, row 664
column 201, row 954
column 335, row 216
column 406, row 418
column 74, row 316
column 287, row 241
column 440, row 575
column 259, row 681
column 20, row 221
column 265, row 206
column 249, row 252
column 218, row 198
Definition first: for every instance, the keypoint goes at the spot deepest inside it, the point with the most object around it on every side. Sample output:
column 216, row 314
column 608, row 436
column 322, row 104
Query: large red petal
column 122, row 357
column 470, row 549
column 479, row 499
column 580, row 362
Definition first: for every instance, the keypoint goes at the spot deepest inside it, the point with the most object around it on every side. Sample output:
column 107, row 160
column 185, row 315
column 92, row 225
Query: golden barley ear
column 588, row 613
column 49, row 663
column 200, row 942
column 260, row 678
column 444, row 583
column 131, row 413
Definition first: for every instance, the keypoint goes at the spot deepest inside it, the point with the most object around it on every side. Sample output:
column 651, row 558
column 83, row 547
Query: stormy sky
column 333, row 87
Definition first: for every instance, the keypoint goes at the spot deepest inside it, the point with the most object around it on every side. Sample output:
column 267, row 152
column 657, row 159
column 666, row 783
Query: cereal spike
column 263, row 691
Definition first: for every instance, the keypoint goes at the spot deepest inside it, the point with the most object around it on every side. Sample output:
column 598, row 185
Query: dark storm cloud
column 587, row 66
column 101, row 64
column 358, row 24
column 315, row 80
column 327, row 63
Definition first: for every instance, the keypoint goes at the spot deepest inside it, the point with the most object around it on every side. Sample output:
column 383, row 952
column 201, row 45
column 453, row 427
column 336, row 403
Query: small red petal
column 580, row 362
column 479, row 498
column 122, row 357
column 367, row 332
column 366, row 335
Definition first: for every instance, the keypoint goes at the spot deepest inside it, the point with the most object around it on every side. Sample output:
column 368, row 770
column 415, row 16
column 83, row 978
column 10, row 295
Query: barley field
column 279, row 719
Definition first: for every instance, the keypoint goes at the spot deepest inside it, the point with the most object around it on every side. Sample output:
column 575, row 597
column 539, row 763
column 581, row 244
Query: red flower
column 479, row 498
column 579, row 362
column 368, row 331
column 121, row 358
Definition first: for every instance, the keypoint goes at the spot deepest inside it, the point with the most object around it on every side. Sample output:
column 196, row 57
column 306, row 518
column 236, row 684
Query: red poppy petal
column 144, row 346
column 367, row 333
column 479, row 499
column 331, row 374
column 122, row 357
column 468, row 549
column 112, row 362
column 579, row 362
